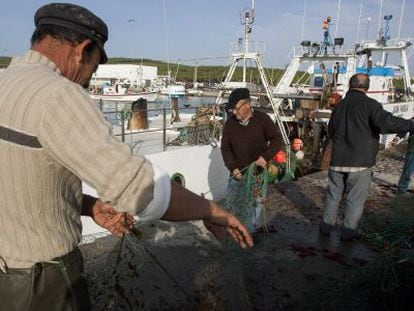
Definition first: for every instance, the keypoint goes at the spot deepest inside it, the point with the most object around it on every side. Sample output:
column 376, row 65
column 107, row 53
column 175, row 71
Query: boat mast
column 256, row 57
column 385, row 38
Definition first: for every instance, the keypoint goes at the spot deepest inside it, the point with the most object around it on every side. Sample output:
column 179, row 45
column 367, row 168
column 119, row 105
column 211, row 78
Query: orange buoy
column 334, row 99
column 280, row 157
column 297, row 144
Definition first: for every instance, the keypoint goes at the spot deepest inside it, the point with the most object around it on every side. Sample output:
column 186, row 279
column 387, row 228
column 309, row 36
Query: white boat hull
column 404, row 110
column 149, row 96
column 203, row 170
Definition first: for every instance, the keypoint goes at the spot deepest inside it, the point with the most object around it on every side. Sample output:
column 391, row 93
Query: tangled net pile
column 384, row 284
column 203, row 128
column 247, row 196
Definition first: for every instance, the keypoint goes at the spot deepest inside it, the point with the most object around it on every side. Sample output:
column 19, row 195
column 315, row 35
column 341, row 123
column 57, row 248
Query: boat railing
column 253, row 47
column 396, row 43
column 163, row 127
column 311, row 48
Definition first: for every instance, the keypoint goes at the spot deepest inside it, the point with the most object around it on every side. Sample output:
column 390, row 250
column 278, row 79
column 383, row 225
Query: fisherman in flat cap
column 248, row 136
column 53, row 137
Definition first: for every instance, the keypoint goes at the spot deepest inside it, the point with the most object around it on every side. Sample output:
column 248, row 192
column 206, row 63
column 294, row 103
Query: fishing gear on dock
column 203, row 128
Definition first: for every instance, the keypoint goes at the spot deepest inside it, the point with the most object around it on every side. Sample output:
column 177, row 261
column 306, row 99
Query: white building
column 136, row 75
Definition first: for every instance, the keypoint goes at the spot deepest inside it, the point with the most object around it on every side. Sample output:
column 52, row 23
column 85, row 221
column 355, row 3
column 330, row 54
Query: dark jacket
column 355, row 126
column 410, row 144
column 241, row 145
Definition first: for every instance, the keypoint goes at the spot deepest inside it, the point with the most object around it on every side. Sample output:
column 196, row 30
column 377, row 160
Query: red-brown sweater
column 241, row 145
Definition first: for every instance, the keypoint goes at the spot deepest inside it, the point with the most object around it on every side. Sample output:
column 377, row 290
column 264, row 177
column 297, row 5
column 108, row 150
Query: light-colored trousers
column 355, row 186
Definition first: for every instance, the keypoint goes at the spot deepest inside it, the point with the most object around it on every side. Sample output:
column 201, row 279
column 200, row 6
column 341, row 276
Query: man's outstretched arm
column 186, row 205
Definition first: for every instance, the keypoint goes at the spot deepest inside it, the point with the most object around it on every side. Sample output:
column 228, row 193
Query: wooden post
column 123, row 129
column 164, row 129
column 175, row 117
column 139, row 117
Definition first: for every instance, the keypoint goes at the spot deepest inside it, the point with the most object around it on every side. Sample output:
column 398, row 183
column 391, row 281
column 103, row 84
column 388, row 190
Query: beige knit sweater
column 52, row 136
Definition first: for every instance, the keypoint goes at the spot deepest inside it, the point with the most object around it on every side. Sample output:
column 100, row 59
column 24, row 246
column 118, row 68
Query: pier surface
column 180, row 266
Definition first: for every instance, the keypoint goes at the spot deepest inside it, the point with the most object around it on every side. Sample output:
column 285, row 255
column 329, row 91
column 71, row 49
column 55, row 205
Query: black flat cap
column 76, row 18
column 236, row 95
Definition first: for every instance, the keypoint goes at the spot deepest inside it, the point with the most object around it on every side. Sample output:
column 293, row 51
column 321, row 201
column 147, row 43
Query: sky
column 201, row 31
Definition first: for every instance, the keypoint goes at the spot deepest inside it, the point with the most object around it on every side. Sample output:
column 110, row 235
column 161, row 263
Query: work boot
column 325, row 228
column 349, row 234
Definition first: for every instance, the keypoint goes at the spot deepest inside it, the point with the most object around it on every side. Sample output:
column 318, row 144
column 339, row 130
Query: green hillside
column 212, row 74
column 204, row 73
column 185, row 73
column 4, row 61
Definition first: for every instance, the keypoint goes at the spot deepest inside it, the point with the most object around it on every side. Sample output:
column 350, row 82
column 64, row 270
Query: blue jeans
column 356, row 185
column 407, row 172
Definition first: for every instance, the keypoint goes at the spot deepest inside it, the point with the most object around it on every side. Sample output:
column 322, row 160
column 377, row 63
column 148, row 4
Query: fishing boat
column 124, row 83
column 150, row 96
column 306, row 107
column 121, row 91
column 174, row 90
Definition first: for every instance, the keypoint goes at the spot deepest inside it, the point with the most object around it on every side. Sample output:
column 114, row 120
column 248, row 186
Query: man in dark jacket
column 248, row 136
column 354, row 129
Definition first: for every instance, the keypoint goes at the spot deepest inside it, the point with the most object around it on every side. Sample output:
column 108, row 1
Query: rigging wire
column 359, row 21
column 401, row 18
column 303, row 20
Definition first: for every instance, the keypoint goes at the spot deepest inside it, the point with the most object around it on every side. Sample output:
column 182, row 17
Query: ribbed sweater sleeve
column 52, row 136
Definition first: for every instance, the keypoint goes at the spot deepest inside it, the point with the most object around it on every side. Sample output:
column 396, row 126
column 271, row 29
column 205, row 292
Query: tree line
column 205, row 74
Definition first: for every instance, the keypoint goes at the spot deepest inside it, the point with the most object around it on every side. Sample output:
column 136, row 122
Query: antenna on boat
column 247, row 19
column 338, row 12
column 379, row 31
column 368, row 24
column 385, row 38
column 387, row 19
column 303, row 20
